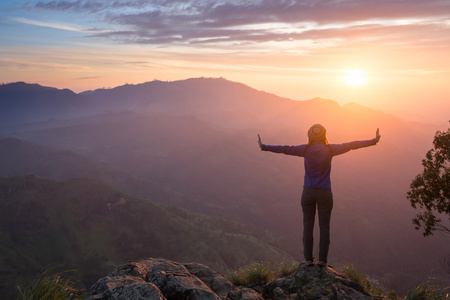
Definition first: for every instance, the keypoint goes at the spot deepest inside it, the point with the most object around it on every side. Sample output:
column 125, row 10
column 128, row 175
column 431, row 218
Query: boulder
column 156, row 278
column 124, row 287
column 315, row 282
column 162, row 279
column 215, row 281
column 244, row 294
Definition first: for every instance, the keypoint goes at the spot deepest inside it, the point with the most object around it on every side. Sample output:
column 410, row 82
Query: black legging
column 323, row 200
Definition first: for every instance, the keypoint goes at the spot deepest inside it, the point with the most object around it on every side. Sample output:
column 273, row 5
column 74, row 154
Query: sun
column 354, row 78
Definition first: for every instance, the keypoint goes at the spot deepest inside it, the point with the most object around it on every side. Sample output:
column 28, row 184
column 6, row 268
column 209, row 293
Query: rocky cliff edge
column 156, row 278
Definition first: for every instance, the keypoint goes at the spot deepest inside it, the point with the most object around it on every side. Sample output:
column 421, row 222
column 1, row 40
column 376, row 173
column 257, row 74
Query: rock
column 244, row 294
column 164, row 279
column 125, row 287
column 314, row 282
column 175, row 281
column 278, row 294
column 215, row 281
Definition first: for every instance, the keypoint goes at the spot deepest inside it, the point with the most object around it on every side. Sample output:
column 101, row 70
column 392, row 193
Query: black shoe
column 322, row 263
column 309, row 263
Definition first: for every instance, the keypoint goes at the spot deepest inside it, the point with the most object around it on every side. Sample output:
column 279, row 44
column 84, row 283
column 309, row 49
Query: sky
column 392, row 56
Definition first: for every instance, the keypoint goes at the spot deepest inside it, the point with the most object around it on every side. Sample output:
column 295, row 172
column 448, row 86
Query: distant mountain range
column 24, row 103
column 192, row 144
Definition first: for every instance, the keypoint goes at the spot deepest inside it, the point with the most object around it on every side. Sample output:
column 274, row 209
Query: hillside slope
column 88, row 226
column 18, row 157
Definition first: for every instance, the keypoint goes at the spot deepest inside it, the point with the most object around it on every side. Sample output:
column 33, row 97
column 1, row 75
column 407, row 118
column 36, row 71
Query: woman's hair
column 324, row 141
column 317, row 133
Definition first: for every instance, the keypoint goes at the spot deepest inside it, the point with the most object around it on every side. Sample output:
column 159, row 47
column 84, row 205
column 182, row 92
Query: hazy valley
column 183, row 158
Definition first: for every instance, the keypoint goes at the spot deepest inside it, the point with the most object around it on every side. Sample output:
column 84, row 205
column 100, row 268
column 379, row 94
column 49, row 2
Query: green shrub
column 287, row 269
column 362, row 280
column 48, row 286
column 391, row 295
column 256, row 273
column 357, row 277
column 427, row 291
column 259, row 273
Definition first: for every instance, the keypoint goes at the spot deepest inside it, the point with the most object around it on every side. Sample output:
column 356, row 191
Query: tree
column 430, row 190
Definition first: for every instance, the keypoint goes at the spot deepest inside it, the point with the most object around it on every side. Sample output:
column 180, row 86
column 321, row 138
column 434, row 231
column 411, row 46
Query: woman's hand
column 377, row 135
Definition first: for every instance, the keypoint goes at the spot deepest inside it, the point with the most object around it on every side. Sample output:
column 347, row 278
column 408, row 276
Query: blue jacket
column 318, row 159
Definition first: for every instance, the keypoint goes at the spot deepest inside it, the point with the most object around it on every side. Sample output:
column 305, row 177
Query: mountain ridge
column 21, row 86
column 220, row 93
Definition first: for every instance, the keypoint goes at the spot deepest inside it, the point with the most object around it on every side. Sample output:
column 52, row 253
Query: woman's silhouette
column 317, row 193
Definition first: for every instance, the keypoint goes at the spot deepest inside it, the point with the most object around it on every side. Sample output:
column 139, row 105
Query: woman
column 317, row 185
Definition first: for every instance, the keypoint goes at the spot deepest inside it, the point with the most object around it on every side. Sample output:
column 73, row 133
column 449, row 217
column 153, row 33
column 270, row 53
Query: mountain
column 86, row 225
column 22, row 103
column 18, row 157
column 197, row 138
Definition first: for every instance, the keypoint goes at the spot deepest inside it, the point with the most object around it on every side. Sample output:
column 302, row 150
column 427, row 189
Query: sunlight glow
column 354, row 78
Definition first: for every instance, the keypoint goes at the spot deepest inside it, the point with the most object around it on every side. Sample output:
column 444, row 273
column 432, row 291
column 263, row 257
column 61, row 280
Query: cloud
column 75, row 6
column 86, row 78
column 60, row 26
column 94, row 6
column 26, row 63
column 239, row 12
column 249, row 22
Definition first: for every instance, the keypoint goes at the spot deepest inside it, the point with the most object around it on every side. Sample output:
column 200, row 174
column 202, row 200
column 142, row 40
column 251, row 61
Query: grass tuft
column 363, row 281
column 257, row 273
column 427, row 291
column 50, row 286
column 287, row 269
